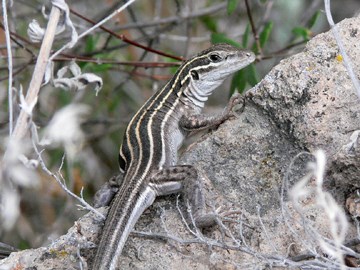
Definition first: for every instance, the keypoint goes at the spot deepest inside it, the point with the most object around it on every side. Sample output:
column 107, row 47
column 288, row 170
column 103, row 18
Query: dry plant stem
column 15, row 37
column 61, row 181
column 312, row 235
column 271, row 243
column 125, row 39
column 142, row 64
column 253, row 28
column 347, row 62
column 174, row 19
column 21, row 127
column 10, row 66
column 91, row 29
column 17, row 71
column 274, row 260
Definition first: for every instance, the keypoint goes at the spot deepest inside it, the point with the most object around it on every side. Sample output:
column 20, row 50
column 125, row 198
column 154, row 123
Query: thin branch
column 17, row 71
column 10, row 67
column 273, row 260
column 150, row 37
column 91, row 29
column 283, row 52
column 21, row 127
column 175, row 19
column 183, row 217
column 347, row 62
column 271, row 243
column 125, row 39
column 144, row 75
column 134, row 18
column 14, row 37
column 253, row 28
column 312, row 238
column 61, row 181
column 68, row 57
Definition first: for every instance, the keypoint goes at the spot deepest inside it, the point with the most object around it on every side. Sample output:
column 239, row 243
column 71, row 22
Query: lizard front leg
column 202, row 121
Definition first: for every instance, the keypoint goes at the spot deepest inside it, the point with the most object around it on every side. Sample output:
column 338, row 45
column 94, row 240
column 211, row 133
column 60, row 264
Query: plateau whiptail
column 148, row 155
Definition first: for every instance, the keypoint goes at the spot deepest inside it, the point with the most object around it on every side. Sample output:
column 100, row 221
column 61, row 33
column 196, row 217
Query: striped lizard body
column 148, row 154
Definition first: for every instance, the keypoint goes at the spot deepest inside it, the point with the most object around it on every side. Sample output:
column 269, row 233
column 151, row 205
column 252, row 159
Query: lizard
column 149, row 152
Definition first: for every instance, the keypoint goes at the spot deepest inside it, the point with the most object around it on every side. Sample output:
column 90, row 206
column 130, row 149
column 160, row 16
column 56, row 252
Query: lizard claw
column 235, row 106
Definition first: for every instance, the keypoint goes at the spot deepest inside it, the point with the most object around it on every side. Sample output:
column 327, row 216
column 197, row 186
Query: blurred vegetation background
column 274, row 29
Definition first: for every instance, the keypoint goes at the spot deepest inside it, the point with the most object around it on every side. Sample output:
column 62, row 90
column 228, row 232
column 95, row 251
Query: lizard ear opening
column 194, row 75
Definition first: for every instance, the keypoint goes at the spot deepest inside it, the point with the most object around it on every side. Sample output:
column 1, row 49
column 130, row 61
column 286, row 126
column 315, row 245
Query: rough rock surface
column 306, row 102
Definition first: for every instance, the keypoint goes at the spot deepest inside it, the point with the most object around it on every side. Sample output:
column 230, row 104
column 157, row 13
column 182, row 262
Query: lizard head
column 220, row 61
column 203, row 73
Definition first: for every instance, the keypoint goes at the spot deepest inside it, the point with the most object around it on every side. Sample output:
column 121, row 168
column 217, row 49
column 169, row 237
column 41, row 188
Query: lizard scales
column 148, row 154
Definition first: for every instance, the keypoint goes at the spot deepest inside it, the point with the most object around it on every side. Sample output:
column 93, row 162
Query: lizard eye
column 215, row 58
column 194, row 75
